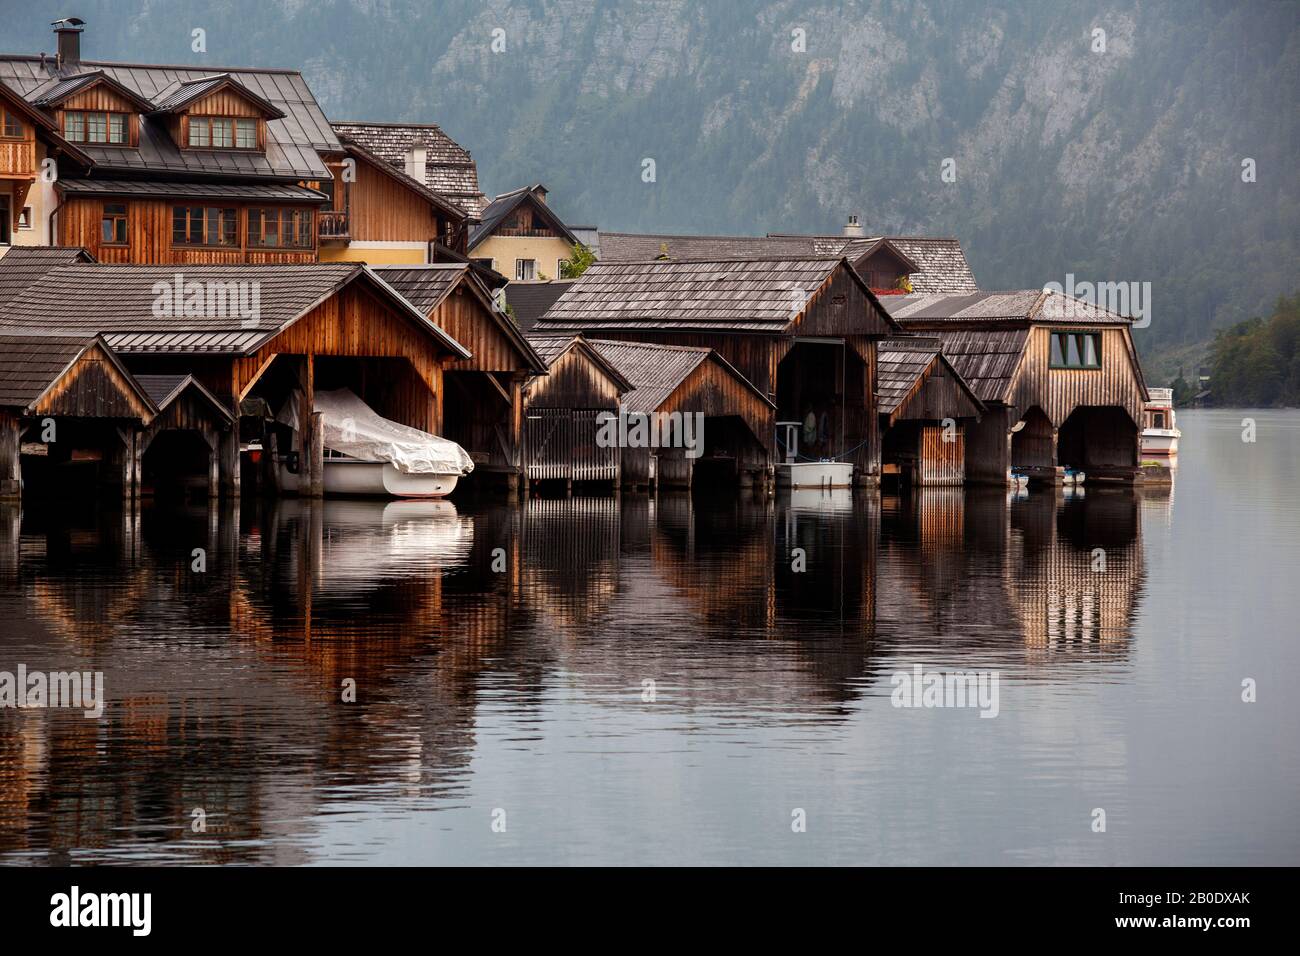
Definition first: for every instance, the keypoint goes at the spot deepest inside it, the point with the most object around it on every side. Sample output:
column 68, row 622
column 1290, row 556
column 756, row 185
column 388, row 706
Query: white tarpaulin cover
column 354, row 429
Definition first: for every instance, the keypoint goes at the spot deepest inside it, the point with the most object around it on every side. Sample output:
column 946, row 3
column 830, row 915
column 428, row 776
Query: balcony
column 333, row 225
column 17, row 159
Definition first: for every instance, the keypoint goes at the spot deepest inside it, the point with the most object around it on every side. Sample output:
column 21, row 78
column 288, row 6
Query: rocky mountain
column 1136, row 141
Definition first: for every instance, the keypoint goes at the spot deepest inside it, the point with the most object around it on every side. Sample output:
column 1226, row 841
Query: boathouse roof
column 728, row 295
column 165, row 389
column 33, row 368
column 529, row 301
column 1021, row 306
column 903, row 366
column 24, row 266
column 123, row 303
column 655, row 371
column 428, row 286
column 939, row 261
column 552, row 346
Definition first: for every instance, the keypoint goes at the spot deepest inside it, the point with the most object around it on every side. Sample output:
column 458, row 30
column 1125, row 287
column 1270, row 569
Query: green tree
column 577, row 264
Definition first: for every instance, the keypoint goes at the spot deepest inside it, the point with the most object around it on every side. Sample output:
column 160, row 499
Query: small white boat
column 360, row 476
column 368, row 455
column 1160, row 434
column 814, row 474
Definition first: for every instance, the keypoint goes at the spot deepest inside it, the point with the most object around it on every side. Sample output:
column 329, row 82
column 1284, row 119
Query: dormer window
column 96, row 128
column 223, row 132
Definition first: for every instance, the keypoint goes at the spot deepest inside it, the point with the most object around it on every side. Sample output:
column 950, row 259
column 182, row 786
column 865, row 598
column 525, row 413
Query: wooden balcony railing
column 333, row 224
column 17, row 159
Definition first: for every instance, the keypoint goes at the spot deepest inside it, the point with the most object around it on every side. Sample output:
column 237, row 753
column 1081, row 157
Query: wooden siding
column 575, row 381
column 93, row 388
column 936, row 395
column 18, row 157
column 561, row 443
column 1060, row 391
column 149, row 234
column 942, row 462
column 381, row 209
column 464, row 317
column 354, row 323
column 101, row 98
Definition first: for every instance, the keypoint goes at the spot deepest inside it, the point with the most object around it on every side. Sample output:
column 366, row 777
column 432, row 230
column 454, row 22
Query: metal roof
column 184, row 92
column 170, row 189
column 529, row 301
column 292, row 142
column 1024, row 305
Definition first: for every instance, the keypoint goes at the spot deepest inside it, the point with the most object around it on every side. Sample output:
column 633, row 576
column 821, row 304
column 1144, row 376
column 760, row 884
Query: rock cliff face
column 1115, row 156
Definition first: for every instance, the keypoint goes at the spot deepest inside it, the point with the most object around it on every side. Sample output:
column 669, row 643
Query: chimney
column 415, row 157
column 68, row 31
column 853, row 229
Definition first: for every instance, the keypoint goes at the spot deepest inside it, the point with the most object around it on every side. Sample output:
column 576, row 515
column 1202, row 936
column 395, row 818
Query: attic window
column 94, row 127
column 1076, row 350
column 223, row 132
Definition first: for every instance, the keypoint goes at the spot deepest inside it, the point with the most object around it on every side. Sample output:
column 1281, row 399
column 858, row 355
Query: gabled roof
column 23, row 266
column 427, row 286
column 1021, row 306
column 165, row 389
column 530, row 300
column 552, row 347
column 729, row 295
column 902, row 363
column 119, row 302
column 398, row 175
column 31, row 365
column 448, row 168
column 940, row 262
column 506, row 203
column 655, row 371
column 59, row 88
column 293, row 143
column 45, row 127
column 181, row 93
column 986, row 359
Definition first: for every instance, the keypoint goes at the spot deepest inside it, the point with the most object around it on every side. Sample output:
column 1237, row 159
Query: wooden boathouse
column 309, row 327
column 1059, row 377
column 803, row 331
column 563, row 411
column 67, row 405
column 678, row 380
column 925, row 408
column 483, row 408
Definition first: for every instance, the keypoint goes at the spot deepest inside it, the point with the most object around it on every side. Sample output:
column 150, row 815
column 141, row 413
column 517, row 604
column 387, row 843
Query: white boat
column 361, row 476
column 1160, row 434
column 368, row 455
column 814, row 474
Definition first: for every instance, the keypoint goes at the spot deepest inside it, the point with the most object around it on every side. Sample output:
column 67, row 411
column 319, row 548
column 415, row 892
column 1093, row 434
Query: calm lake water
column 501, row 656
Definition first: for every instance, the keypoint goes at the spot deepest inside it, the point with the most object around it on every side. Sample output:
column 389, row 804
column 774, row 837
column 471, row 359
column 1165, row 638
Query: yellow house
column 521, row 238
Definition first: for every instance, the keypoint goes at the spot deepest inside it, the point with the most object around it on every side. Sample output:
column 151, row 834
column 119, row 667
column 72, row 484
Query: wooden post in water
column 11, row 469
column 316, row 467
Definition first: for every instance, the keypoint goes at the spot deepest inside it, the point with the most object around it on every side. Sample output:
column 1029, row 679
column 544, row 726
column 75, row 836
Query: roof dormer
column 93, row 109
column 215, row 112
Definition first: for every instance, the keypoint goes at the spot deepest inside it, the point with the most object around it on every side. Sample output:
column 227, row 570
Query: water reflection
column 457, row 623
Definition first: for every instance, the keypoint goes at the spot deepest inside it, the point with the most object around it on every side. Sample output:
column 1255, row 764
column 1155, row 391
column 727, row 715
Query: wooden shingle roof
column 31, row 365
column 551, row 346
column 655, row 370
column 119, row 301
column 23, row 266
column 495, row 212
column 986, row 359
column 1021, row 306
column 941, row 263
column 901, row 364
column 165, row 389
column 734, row 295
column 448, row 168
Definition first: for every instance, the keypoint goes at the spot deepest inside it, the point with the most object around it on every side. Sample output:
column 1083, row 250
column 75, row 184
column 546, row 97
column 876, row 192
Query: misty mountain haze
column 1115, row 165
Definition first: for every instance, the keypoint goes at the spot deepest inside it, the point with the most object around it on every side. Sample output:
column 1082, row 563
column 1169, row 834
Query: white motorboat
column 1160, row 434
column 373, row 477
